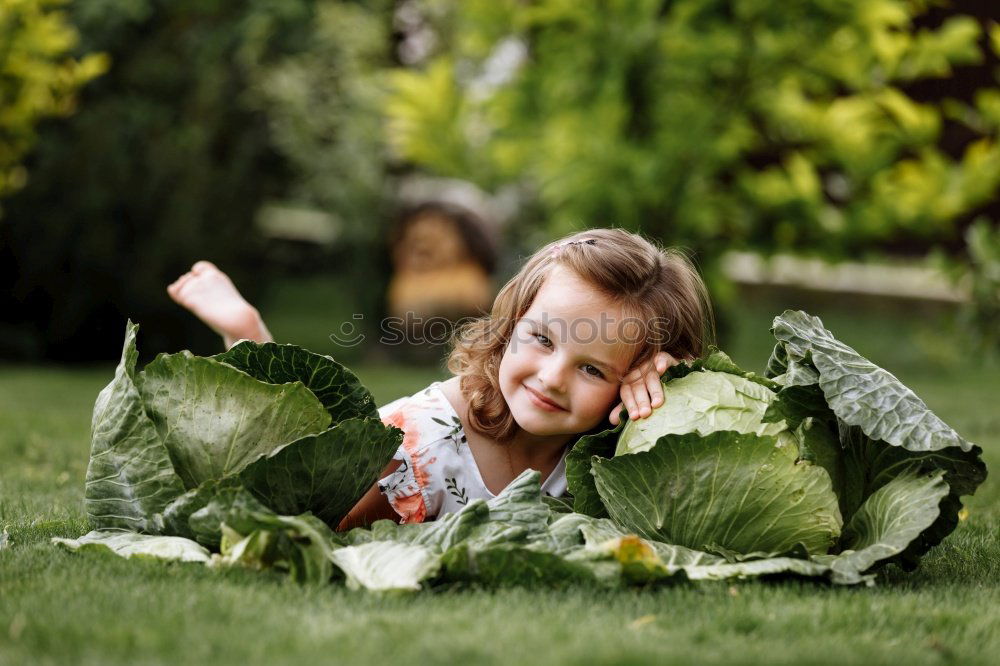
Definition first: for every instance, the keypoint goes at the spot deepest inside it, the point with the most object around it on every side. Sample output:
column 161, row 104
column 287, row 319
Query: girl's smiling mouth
column 541, row 401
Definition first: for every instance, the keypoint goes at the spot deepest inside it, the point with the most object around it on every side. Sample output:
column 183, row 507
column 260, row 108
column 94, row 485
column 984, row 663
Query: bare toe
column 202, row 266
column 174, row 288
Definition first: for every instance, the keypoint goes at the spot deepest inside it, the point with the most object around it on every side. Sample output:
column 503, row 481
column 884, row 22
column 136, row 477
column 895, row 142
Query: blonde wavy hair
column 647, row 281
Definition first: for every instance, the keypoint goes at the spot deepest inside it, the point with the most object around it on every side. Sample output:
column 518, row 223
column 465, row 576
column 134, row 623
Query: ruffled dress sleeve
column 408, row 487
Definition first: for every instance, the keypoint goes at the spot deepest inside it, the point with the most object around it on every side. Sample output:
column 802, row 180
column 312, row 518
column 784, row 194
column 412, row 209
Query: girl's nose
column 553, row 375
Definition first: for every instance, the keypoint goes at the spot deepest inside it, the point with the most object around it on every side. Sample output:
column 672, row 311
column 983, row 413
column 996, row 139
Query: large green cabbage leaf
column 387, row 566
column 130, row 478
column 326, row 473
column 215, row 420
column 884, row 429
column 859, row 392
column 705, row 402
column 737, row 492
column 295, row 430
column 338, row 389
column 891, row 519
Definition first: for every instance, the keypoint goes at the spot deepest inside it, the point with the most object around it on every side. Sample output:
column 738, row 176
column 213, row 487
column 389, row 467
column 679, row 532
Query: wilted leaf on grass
column 129, row 544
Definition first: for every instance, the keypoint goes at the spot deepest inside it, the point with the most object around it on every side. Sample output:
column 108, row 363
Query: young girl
column 589, row 319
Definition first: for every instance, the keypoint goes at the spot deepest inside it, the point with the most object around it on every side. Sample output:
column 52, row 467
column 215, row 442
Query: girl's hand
column 641, row 388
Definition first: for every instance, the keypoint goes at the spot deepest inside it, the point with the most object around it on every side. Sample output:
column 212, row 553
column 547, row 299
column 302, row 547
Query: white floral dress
column 438, row 474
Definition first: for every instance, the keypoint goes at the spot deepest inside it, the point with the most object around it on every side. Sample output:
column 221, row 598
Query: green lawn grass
column 57, row 607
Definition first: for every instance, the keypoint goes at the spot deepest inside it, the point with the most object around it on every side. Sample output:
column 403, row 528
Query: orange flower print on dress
column 411, row 442
column 411, row 509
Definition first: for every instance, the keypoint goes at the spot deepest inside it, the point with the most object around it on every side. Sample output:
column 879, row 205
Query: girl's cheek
column 603, row 400
column 612, row 396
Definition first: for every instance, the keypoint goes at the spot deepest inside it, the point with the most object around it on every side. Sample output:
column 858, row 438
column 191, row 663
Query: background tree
column 38, row 78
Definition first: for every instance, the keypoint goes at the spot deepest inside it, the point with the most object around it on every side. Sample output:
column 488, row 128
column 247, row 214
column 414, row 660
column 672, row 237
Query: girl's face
column 565, row 348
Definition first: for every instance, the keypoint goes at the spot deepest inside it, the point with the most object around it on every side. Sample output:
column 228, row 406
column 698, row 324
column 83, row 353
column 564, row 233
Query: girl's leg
column 213, row 298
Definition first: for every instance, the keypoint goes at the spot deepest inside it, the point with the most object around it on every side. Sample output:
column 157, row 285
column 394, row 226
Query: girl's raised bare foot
column 213, row 298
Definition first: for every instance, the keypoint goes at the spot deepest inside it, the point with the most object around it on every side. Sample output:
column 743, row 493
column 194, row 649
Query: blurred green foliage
column 978, row 272
column 833, row 127
column 38, row 78
column 323, row 105
column 983, row 315
column 166, row 161
column 740, row 124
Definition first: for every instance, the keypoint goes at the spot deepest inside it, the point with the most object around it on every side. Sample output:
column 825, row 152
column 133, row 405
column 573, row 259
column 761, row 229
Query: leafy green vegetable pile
column 256, row 451
column 826, row 467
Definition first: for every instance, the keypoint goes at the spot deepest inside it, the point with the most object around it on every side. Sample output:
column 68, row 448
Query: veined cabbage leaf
column 869, row 475
column 292, row 430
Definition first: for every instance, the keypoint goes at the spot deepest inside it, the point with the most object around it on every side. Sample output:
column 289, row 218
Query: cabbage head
column 266, row 446
column 827, row 458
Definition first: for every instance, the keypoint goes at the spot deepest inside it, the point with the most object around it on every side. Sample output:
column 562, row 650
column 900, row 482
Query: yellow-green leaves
column 38, row 77
column 428, row 118
column 646, row 115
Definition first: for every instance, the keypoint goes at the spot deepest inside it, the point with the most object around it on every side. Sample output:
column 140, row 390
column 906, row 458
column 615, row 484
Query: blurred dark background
column 362, row 158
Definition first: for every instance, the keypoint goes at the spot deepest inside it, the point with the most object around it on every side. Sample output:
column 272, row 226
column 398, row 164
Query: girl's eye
column 588, row 368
